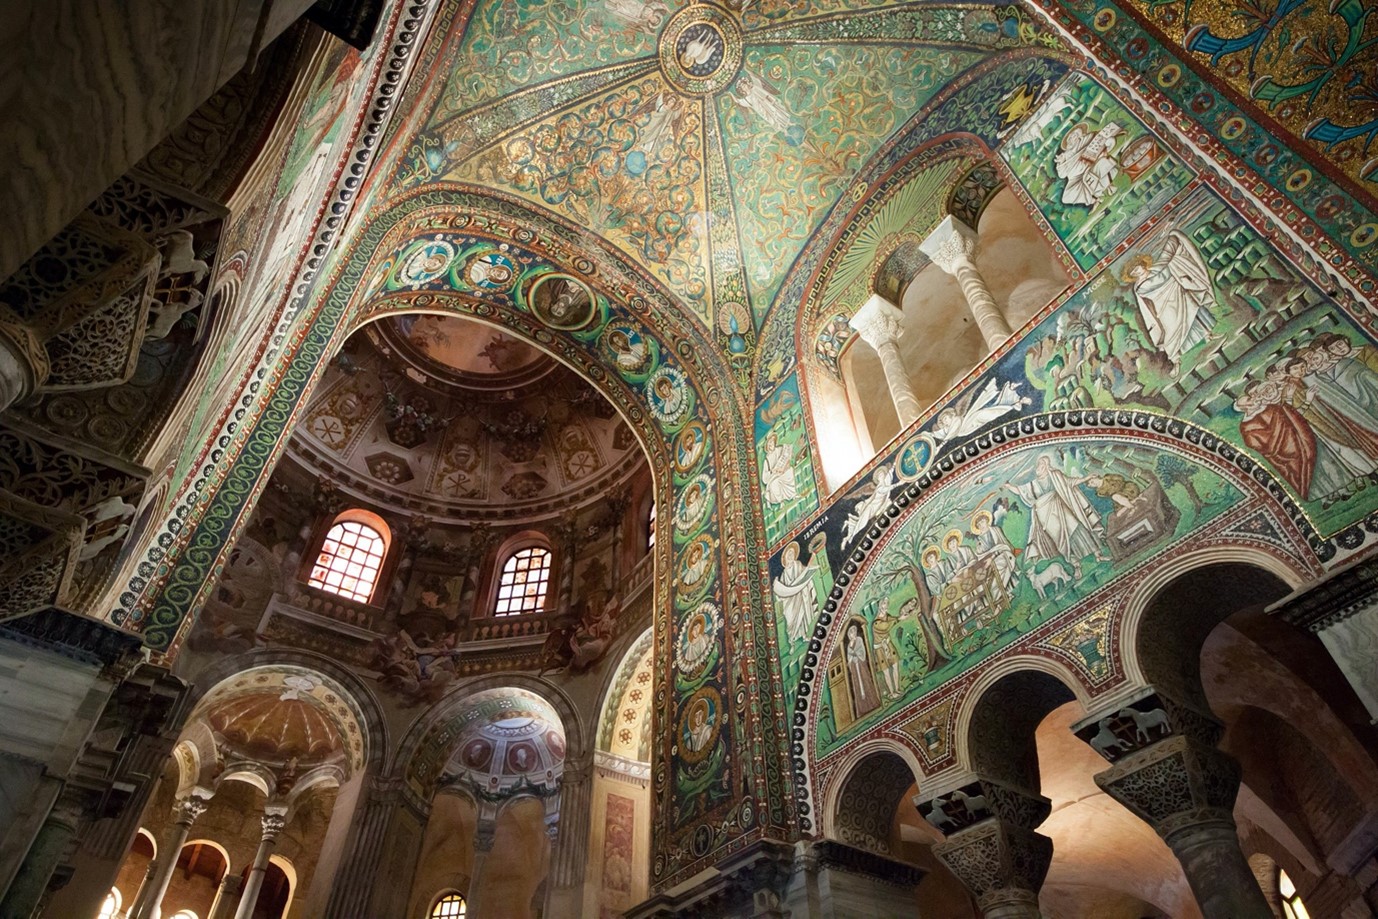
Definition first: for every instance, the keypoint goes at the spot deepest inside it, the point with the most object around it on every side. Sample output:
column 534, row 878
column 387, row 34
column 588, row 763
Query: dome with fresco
column 502, row 741
column 454, row 420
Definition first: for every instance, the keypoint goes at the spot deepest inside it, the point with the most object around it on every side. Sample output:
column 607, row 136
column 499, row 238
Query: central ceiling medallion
column 701, row 49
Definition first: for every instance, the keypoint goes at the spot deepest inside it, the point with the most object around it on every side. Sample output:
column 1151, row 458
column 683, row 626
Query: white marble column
column 951, row 246
column 274, row 819
column 185, row 812
column 879, row 323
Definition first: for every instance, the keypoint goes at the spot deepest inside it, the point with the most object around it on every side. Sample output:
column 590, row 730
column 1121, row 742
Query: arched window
column 184, row 914
column 651, row 527
column 450, row 906
column 350, row 557
column 1292, row 907
column 525, row 578
column 110, row 906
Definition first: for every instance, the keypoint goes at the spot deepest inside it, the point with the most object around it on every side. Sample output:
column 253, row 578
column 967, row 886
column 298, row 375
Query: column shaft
column 989, row 317
column 878, row 322
column 26, row 890
column 951, row 246
column 186, row 811
column 1217, row 871
column 226, row 897
column 273, row 822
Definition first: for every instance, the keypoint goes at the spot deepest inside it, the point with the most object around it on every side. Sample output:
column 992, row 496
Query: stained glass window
column 651, row 527
column 525, row 577
column 450, row 906
column 1292, row 907
column 349, row 560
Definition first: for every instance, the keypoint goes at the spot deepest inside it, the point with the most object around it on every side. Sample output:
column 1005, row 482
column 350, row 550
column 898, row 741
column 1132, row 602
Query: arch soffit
column 1002, row 668
column 1140, row 600
column 615, row 684
column 461, row 208
column 362, row 702
column 854, row 759
column 210, row 843
column 961, row 460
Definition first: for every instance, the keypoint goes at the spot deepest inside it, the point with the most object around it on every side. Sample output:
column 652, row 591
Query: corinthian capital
column 878, row 322
column 950, row 245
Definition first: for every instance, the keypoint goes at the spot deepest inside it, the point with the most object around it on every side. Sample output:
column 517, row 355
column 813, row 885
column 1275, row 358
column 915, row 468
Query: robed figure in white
column 1175, row 296
column 798, row 597
column 1064, row 523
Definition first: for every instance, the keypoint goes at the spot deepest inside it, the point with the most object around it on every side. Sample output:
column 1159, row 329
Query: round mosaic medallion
column 701, row 49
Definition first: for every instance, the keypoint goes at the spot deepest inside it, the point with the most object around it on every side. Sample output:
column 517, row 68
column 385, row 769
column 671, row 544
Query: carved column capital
column 879, row 322
column 273, row 823
column 992, row 845
column 189, row 809
column 951, row 245
column 1175, row 784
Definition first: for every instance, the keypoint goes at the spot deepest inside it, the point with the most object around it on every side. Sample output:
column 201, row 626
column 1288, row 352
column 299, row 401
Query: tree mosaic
column 1093, row 168
column 1001, row 549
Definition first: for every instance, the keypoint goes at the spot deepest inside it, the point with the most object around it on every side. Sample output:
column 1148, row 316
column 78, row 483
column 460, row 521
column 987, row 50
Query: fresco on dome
column 1092, row 168
column 989, row 555
column 704, row 141
column 789, row 491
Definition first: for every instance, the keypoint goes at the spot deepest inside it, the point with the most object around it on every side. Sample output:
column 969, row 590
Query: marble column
column 992, row 845
column 50, row 846
column 358, row 869
column 273, row 820
column 951, row 247
column 185, row 812
column 23, row 363
column 571, row 843
column 483, row 847
column 226, row 897
column 1185, row 790
column 880, row 324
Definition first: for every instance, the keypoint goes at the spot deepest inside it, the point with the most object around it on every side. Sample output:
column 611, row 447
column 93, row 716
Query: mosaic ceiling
column 706, row 142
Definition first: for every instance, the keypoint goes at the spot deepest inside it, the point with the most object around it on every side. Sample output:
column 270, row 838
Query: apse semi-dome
column 268, row 726
column 503, row 742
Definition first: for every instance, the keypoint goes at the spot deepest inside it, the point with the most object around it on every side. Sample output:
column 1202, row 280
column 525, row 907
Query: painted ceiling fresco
column 386, row 428
column 706, row 142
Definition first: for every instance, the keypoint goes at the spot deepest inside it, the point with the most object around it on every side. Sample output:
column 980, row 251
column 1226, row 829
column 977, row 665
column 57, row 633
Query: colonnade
column 1165, row 768
column 234, row 897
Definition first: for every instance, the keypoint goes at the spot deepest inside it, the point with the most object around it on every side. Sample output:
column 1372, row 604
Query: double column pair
column 952, row 247
column 186, row 811
column 1165, row 768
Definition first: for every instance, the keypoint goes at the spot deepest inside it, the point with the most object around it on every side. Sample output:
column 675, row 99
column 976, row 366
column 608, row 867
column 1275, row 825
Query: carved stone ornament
column 1174, row 784
column 1144, row 721
column 950, row 245
column 998, row 862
